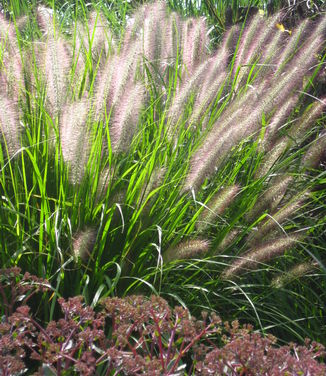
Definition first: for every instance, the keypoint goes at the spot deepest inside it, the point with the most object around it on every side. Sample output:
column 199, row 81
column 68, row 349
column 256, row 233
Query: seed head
column 262, row 254
column 83, row 243
column 187, row 249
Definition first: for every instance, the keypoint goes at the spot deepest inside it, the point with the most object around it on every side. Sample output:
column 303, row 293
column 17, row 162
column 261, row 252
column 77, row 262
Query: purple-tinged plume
column 74, row 137
column 9, row 126
column 277, row 220
column 125, row 117
column 83, row 244
column 216, row 206
column 56, row 65
column 260, row 255
column 195, row 43
column 295, row 273
column 103, row 90
column 187, row 249
column 271, row 198
column 316, row 152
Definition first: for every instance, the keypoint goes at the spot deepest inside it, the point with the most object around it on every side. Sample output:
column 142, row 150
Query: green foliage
column 143, row 160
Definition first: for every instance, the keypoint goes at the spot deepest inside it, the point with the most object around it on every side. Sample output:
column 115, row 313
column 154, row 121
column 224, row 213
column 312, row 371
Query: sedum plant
column 129, row 162
column 138, row 336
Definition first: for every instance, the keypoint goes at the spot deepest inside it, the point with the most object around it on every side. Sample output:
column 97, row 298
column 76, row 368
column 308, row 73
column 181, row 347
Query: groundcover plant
column 149, row 162
column 136, row 336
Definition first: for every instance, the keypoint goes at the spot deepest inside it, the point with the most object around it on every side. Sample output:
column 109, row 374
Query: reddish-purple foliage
column 137, row 336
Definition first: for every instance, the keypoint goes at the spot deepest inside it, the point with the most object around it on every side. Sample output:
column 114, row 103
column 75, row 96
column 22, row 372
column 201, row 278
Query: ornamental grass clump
column 177, row 159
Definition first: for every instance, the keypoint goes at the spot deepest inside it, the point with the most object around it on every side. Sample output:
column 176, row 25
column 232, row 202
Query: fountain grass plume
column 9, row 126
column 294, row 274
column 249, row 34
column 133, row 30
column 158, row 36
column 275, row 91
column 105, row 179
column 125, row 117
column 264, row 43
column 187, row 249
column 99, row 37
column 297, row 133
column 216, row 205
column 126, row 64
column 171, row 45
column 183, row 94
column 154, row 22
column 83, row 244
column 265, row 63
column 302, row 51
column 216, row 144
column 8, row 36
column 276, row 220
column 145, row 17
column 214, row 78
column 206, row 99
column 220, row 59
column 298, row 37
column 278, row 120
column 271, row 157
column 11, row 70
column 214, row 81
column 230, row 40
column 45, row 19
column 75, row 139
column 272, row 197
column 195, row 43
column 103, row 89
column 11, row 75
column 259, row 255
column 56, row 65
column 316, row 152
column 227, row 132
column 259, row 43
column 301, row 127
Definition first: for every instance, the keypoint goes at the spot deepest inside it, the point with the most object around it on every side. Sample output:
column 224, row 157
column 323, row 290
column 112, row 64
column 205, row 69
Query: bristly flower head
column 187, row 249
column 57, row 64
column 9, row 126
column 316, row 152
column 296, row 272
column 125, row 117
column 259, row 255
column 272, row 197
column 216, row 206
column 83, row 243
column 74, row 138
column 195, row 43
column 271, row 94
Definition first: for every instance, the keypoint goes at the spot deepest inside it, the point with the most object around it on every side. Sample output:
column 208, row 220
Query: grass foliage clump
column 151, row 161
